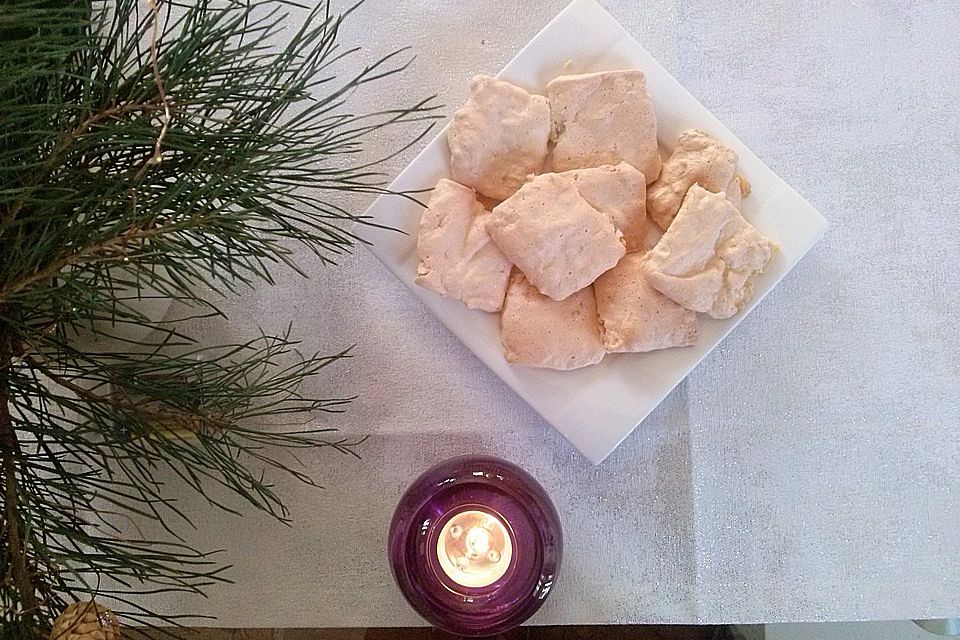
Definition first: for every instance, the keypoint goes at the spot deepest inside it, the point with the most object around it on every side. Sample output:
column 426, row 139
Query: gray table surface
column 809, row 469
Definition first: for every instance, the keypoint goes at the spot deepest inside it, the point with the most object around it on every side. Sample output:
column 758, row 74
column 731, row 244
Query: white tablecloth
column 809, row 469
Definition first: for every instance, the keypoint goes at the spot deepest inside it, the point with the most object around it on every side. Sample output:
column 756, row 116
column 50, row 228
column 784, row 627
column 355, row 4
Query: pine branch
column 126, row 172
column 11, row 452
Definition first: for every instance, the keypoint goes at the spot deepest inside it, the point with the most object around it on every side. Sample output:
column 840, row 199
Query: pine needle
column 154, row 148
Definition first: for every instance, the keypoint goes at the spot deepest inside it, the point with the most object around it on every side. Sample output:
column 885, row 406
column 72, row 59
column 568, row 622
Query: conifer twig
column 211, row 160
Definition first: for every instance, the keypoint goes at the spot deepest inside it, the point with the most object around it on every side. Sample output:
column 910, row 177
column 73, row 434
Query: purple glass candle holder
column 475, row 545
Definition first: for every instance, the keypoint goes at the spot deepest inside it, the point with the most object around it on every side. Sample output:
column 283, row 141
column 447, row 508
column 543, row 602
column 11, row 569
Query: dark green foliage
column 130, row 170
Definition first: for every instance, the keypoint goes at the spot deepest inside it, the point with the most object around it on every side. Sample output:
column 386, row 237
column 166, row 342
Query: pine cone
column 86, row 621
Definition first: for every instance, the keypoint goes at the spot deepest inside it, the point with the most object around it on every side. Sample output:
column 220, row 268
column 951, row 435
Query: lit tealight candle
column 474, row 548
column 475, row 545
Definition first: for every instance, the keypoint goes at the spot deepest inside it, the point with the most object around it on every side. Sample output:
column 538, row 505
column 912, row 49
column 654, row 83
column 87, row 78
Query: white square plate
column 595, row 408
